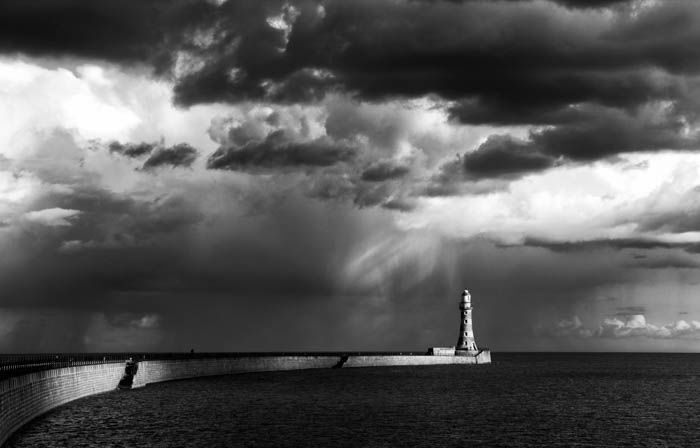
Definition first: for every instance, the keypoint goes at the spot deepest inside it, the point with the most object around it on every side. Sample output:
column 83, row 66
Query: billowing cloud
column 52, row 217
column 132, row 149
column 502, row 156
column 277, row 151
column 181, row 154
column 626, row 326
column 668, row 261
column 384, row 170
column 333, row 46
column 348, row 175
column 637, row 326
column 556, row 53
column 344, row 151
column 593, row 132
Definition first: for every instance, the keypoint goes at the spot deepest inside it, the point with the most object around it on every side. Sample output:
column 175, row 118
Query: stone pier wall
column 156, row 371
column 484, row 357
column 397, row 360
column 25, row 397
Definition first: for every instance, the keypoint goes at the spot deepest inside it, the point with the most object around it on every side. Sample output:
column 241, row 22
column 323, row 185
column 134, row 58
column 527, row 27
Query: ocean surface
column 531, row 400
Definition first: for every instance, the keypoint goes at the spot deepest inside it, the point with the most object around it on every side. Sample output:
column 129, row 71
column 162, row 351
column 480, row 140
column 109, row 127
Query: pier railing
column 13, row 365
column 20, row 364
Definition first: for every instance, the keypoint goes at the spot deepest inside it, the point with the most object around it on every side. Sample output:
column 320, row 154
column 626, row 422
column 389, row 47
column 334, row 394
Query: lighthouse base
column 441, row 351
column 481, row 356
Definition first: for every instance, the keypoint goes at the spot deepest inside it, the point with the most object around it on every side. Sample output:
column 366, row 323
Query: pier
column 33, row 384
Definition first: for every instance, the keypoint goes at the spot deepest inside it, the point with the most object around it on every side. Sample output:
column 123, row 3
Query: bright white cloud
column 95, row 102
column 602, row 200
column 36, row 98
column 626, row 326
column 52, row 217
column 605, row 199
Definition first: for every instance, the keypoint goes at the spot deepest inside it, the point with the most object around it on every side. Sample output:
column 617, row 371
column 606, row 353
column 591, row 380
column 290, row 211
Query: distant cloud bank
column 630, row 326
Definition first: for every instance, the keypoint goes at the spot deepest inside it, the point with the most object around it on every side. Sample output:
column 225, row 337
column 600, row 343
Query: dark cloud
column 543, row 59
column 630, row 310
column 127, row 257
column 384, row 170
column 133, row 31
column 583, row 133
column 372, row 194
column 181, row 154
column 400, row 204
column 603, row 83
column 383, row 127
column 279, row 150
column 569, row 3
column 504, row 156
column 132, row 149
column 353, row 189
column 452, row 179
column 590, row 3
column 121, row 245
column 546, row 61
column 659, row 255
column 207, row 262
column 667, row 261
column 593, row 132
column 347, row 164
column 587, row 132
column 616, row 244
column 111, row 232
column 208, row 272
column 623, row 91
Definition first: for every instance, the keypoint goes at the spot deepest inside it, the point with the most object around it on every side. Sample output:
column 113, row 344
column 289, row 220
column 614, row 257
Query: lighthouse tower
column 466, row 341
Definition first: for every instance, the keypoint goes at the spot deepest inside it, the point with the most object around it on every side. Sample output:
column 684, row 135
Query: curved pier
column 33, row 385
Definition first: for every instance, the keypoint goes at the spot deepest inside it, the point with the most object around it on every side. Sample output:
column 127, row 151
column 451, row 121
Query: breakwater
column 30, row 389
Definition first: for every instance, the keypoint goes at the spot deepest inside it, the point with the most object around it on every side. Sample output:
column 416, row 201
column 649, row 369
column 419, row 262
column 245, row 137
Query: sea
column 520, row 400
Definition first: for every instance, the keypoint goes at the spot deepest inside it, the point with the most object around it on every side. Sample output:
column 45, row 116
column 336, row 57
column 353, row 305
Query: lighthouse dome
column 466, row 297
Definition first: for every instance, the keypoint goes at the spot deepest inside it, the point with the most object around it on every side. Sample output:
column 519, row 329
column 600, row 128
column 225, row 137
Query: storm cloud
column 555, row 53
column 384, row 170
column 277, row 151
column 179, row 155
column 172, row 171
column 504, row 156
column 132, row 149
column 589, row 70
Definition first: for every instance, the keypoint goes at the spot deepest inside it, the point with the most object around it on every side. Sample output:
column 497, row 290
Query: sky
column 330, row 174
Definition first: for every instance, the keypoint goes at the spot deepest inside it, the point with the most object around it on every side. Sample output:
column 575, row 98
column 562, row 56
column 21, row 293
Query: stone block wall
column 25, row 397
column 156, row 371
column 484, row 357
column 398, row 360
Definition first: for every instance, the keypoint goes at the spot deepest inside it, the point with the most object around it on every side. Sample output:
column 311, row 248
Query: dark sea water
column 564, row 400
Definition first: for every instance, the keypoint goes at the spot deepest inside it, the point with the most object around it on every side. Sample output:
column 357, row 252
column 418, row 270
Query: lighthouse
column 466, row 343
